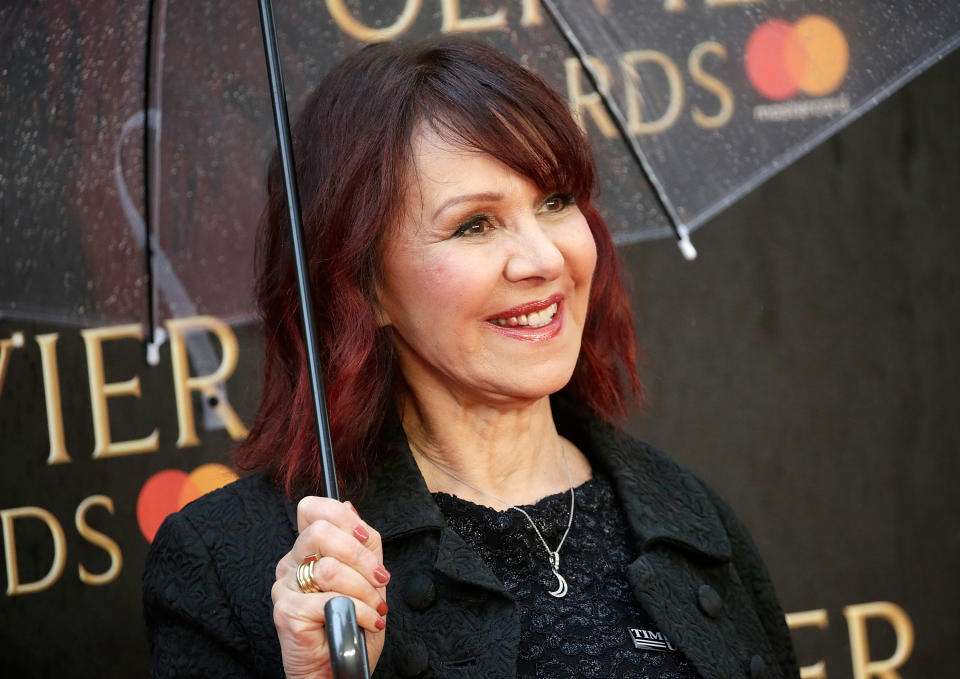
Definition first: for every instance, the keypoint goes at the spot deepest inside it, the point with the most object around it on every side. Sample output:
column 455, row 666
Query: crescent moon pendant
column 561, row 590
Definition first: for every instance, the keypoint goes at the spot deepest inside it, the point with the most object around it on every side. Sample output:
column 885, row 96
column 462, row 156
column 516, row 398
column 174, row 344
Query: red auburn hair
column 352, row 144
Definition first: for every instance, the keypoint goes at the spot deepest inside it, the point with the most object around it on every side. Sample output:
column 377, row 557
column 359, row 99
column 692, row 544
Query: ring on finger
column 305, row 574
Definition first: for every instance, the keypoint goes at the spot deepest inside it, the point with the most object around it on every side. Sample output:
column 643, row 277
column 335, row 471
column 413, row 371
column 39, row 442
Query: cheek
column 464, row 282
column 581, row 254
column 438, row 291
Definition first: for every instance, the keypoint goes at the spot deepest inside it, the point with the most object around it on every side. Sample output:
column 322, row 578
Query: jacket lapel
column 681, row 545
column 676, row 531
column 399, row 504
column 661, row 501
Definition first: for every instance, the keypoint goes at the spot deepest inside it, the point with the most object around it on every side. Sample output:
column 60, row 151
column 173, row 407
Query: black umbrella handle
column 348, row 652
column 348, row 646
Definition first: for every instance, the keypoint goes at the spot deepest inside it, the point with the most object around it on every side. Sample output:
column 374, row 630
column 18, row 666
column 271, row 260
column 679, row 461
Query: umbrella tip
column 153, row 346
column 686, row 246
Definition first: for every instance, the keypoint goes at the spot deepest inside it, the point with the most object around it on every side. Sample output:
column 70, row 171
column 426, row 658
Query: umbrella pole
column 680, row 229
column 282, row 124
column 348, row 650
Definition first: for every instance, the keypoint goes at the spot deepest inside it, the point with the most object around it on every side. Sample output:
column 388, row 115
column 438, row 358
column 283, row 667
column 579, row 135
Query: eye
column 557, row 202
column 475, row 226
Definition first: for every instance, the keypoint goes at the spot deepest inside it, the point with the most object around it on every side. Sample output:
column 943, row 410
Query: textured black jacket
column 207, row 582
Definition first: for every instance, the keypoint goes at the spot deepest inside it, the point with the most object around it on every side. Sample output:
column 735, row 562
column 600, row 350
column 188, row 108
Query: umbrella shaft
column 282, row 124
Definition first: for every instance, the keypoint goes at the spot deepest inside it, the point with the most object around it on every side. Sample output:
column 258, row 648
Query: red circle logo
column 169, row 490
column 810, row 56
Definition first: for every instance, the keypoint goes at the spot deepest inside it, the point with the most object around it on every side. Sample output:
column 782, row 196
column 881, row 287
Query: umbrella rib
column 679, row 228
column 147, row 167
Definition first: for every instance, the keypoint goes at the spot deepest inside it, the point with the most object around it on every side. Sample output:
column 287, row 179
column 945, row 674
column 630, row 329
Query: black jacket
column 208, row 577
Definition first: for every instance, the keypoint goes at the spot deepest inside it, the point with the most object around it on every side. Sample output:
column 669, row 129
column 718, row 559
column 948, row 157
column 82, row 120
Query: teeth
column 536, row 319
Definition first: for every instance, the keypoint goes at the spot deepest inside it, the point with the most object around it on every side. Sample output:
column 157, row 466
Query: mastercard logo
column 168, row 491
column 810, row 55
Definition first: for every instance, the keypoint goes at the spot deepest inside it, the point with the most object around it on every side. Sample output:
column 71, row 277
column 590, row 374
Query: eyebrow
column 466, row 198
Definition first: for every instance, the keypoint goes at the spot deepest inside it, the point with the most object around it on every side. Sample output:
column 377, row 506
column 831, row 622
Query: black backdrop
column 805, row 365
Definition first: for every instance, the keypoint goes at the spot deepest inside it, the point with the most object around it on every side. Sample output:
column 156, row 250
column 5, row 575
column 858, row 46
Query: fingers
column 341, row 514
column 333, row 544
column 332, row 576
column 349, row 562
column 300, row 617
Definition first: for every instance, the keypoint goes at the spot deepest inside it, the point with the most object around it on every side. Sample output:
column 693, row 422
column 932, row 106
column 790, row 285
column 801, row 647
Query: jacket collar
column 398, row 504
column 397, row 501
column 661, row 501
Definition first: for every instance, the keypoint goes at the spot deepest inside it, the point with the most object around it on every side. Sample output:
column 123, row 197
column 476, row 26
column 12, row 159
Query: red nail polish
column 380, row 624
column 350, row 505
column 382, row 608
column 381, row 574
column 361, row 534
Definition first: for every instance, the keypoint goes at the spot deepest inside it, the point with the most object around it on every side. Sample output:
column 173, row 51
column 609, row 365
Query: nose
column 534, row 253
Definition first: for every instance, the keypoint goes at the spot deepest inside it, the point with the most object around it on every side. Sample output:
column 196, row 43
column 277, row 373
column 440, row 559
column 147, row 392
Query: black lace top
column 598, row 629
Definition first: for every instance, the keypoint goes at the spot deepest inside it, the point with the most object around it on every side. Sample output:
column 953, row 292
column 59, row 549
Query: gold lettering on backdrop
column 454, row 23
column 814, row 618
column 580, row 101
column 100, row 540
column 51, row 390
column 100, row 391
column 15, row 341
column 531, row 14
column 681, row 5
column 7, row 517
column 712, row 85
column 183, row 383
column 863, row 667
column 635, row 122
column 360, row 31
column 731, row 3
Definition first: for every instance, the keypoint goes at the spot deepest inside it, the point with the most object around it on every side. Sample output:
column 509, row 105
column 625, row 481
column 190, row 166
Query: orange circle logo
column 810, row 56
column 168, row 491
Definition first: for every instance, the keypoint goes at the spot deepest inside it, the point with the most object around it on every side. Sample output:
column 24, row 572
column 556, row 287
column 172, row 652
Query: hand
column 350, row 564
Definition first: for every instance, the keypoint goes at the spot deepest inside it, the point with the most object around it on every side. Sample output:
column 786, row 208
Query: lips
column 530, row 315
column 534, row 319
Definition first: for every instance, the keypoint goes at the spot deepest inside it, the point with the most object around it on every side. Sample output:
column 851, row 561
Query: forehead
column 433, row 155
column 441, row 169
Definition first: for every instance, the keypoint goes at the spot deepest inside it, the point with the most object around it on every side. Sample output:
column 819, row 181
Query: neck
column 513, row 453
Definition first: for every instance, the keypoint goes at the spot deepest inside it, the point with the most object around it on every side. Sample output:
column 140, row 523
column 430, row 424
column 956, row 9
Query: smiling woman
column 509, row 268
column 478, row 349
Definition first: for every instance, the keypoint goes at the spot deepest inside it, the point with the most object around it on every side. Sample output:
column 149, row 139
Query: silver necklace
column 552, row 554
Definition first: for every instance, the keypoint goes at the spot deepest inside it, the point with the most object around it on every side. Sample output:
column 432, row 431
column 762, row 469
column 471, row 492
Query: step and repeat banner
column 803, row 366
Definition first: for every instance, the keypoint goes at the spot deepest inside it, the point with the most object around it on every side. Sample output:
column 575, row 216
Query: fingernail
column 380, row 624
column 361, row 534
column 382, row 608
column 381, row 574
column 350, row 505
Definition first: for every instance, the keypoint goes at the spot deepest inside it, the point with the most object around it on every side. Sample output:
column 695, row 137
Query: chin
column 533, row 387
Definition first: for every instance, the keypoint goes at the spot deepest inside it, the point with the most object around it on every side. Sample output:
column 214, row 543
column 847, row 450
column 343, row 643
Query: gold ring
column 305, row 574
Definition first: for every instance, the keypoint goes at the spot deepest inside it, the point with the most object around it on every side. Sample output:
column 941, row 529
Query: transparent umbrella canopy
column 134, row 123
column 719, row 95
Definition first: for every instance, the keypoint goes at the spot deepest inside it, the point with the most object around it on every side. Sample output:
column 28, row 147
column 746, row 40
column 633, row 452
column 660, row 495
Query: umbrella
column 348, row 648
column 136, row 133
column 165, row 144
column 763, row 84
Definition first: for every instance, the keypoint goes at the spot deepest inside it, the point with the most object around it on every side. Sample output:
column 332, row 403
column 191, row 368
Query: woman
column 477, row 346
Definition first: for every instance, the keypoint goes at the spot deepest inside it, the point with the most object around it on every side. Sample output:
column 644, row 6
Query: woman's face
column 486, row 280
